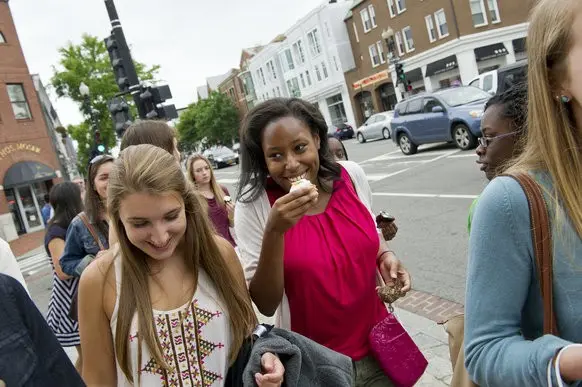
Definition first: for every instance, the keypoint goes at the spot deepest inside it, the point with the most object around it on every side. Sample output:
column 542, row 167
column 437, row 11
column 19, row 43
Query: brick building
column 233, row 88
column 28, row 163
column 440, row 43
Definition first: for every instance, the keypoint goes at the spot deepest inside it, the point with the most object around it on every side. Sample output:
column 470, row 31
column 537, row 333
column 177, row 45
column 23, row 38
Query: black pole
column 117, row 31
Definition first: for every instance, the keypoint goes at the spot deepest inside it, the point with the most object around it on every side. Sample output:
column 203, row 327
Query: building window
column 18, row 100
column 366, row 22
column 391, row 8
column 271, row 70
column 372, row 16
column 374, row 55
column 430, row 28
column 278, row 91
column 441, row 20
column 308, row 78
column 380, row 47
column 262, row 76
column 478, row 13
column 289, row 60
column 2, row 39
column 398, row 37
column 324, row 69
column 493, row 11
column 302, row 80
column 408, row 41
column 293, row 86
column 335, row 63
column 298, row 51
column 336, row 108
column 356, row 32
column 314, row 44
column 317, row 74
column 401, row 5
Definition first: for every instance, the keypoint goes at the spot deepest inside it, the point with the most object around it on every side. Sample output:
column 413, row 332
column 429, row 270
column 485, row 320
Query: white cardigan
column 250, row 220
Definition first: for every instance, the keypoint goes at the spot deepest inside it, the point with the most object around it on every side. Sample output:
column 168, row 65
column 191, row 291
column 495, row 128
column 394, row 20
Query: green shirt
column 471, row 211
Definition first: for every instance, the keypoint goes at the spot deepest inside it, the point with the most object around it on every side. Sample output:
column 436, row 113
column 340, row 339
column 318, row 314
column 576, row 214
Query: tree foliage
column 209, row 122
column 88, row 62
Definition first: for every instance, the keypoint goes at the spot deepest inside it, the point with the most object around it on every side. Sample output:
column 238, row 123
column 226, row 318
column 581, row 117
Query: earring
column 565, row 99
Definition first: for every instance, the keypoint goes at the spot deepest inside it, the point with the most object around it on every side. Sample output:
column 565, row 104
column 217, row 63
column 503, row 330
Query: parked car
column 497, row 81
column 221, row 156
column 448, row 115
column 341, row 131
column 375, row 127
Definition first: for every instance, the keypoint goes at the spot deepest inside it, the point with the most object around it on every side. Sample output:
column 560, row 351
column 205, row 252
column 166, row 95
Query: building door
column 15, row 211
column 29, row 209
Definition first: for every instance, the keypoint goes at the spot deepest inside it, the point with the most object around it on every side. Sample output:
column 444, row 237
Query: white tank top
column 195, row 340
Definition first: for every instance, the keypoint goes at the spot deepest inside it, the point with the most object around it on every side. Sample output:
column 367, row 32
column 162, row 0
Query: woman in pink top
column 311, row 252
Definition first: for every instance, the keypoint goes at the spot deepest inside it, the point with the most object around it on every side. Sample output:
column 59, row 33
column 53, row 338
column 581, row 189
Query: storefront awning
column 440, row 66
column 490, row 52
column 519, row 45
column 414, row 75
column 27, row 172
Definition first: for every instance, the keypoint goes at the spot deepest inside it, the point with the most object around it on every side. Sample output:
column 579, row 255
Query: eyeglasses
column 486, row 141
column 99, row 158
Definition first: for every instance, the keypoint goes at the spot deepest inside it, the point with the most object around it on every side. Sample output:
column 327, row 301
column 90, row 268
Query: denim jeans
column 30, row 354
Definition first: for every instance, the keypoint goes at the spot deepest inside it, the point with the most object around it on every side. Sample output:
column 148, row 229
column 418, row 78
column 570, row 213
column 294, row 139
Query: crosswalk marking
column 31, row 265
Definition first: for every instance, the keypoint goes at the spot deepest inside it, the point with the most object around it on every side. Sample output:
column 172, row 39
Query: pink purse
column 395, row 351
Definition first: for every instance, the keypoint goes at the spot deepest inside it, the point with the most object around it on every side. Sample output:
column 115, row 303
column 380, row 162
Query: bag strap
column 91, row 229
column 542, row 243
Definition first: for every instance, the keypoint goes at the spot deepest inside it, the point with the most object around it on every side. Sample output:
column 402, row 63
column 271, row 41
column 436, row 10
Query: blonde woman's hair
column 214, row 186
column 149, row 169
column 554, row 138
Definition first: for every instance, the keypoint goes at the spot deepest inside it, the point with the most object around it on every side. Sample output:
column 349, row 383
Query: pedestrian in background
column 46, row 210
column 505, row 344
column 220, row 206
column 170, row 305
column 65, row 198
column 311, row 253
column 88, row 233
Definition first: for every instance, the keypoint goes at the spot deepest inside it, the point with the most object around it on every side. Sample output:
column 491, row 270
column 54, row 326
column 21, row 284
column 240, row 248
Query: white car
column 375, row 127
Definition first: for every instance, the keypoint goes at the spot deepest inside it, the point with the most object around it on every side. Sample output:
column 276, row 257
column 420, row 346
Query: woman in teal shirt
column 504, row 341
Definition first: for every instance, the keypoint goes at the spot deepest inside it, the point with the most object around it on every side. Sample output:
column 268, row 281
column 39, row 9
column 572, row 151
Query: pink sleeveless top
column 330, row 272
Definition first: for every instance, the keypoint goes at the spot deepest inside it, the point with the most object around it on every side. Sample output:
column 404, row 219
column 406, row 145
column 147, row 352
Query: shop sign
column 382, row 75
column 8, row 149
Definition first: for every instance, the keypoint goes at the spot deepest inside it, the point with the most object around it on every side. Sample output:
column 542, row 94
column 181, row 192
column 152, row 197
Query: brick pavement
column 429, row 306
column 27, row 242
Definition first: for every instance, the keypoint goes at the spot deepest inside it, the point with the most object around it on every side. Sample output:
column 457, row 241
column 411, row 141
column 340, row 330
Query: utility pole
column 123, row 66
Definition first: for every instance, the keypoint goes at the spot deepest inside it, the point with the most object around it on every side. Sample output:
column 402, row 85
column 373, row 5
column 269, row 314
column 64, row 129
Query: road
column 429, row 194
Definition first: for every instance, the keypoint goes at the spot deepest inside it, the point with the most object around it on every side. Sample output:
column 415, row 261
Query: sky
column 190, row 40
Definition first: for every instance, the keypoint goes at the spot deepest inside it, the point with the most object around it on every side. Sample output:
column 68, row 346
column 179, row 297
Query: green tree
column 88, row 62
column 188, row 133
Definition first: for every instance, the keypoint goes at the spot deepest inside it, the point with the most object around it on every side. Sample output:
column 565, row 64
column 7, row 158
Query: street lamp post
column 393, row 59
column 85, row 93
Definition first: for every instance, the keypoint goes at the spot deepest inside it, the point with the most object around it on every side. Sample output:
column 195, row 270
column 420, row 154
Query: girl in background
column 88, row 233
column 65, row 199
column 220, row 206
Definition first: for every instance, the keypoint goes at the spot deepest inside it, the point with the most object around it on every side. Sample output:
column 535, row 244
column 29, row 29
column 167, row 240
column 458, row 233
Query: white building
column 309, row 61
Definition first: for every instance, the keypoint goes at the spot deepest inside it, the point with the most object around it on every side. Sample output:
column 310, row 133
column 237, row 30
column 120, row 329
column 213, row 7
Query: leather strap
column 542, row 243
column 91, row 229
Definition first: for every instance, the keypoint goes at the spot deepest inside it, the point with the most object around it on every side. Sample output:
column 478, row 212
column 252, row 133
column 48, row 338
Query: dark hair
column 65, row 198
column 330, row 136
column 514, row 103
column 46, row 198
column 152, row 132
column 254, row 170
column 94, row 206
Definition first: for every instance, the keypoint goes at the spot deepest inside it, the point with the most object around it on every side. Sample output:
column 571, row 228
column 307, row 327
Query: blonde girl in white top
column 169, row 306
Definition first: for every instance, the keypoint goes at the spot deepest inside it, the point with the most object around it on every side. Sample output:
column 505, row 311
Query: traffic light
column 119, row 110
column 400, row 73
column 151, row 99
column 409, row 86
column 98, row 145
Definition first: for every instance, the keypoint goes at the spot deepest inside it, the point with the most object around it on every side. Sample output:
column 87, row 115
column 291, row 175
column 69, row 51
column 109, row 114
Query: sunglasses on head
column 99, row 158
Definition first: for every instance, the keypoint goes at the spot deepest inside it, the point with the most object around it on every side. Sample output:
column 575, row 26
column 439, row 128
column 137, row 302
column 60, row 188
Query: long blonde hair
column 146, row 168
column 553, row 140
column 214, row 186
